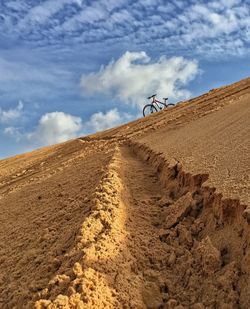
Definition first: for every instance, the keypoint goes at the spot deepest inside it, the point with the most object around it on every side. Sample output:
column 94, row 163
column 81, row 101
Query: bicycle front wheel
column 149, row 109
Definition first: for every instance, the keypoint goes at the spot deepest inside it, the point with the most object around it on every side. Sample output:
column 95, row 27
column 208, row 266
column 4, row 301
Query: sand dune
column 152, row 214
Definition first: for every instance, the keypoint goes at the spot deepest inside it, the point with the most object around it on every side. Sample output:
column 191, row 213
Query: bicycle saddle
column 165, row 99
column 154, row 95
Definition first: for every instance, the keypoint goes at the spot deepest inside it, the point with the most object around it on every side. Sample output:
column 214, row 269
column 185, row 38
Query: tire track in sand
column 120, row 243
column 146, row 244
column 142, row 194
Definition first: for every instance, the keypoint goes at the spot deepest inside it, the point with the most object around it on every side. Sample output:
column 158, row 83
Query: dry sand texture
column 153, row 214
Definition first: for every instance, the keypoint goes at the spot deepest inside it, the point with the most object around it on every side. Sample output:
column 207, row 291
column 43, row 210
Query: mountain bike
column 155, row 105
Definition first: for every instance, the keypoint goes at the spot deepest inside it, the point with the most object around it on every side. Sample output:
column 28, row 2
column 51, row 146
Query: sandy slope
column 153, row 214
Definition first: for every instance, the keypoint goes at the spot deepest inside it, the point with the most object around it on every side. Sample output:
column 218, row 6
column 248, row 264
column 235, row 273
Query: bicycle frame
column 154, row 101
column 154, row 105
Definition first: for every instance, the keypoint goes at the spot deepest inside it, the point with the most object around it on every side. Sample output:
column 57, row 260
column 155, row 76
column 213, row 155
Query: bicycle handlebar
column 154, row 95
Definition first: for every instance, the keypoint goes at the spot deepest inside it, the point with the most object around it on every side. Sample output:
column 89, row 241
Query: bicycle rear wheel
column 149, row 109
column 170, row 105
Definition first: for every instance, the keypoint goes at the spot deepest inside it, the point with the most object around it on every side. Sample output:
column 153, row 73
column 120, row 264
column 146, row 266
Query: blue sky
column 72, row 67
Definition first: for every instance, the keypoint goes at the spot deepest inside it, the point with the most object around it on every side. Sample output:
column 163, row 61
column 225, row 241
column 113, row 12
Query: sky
column 69, row 68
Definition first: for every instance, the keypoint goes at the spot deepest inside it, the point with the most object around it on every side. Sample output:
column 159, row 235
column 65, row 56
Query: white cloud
column 102, row 121
column 13, row 133
column 42, row 12
column 79, row 2
column 17, row 5
column 182, row 25
column 133, row 77
column 55, row 127
column 7, row 116
column 230, row 3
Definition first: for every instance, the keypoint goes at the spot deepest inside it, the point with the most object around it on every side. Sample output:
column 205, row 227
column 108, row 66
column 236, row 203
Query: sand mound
column 153, row 214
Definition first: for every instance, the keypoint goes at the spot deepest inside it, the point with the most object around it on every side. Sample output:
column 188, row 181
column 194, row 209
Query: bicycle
column 154, row 106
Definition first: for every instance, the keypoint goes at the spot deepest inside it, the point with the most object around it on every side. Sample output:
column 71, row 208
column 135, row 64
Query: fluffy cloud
column 102, row 121
column 133, row 77
column 55, row 127
column 7, row 116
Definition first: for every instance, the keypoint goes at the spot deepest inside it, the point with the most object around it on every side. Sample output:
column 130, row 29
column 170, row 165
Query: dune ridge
column 152, row 214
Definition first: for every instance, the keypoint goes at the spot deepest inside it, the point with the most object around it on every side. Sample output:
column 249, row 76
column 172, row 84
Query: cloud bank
column 101, row 121
column 196, row 27
column 55, row 127
column 134, row 76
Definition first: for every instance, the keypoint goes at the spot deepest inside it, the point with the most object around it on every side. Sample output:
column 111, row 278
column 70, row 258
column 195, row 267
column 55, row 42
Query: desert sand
column 151, row 214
